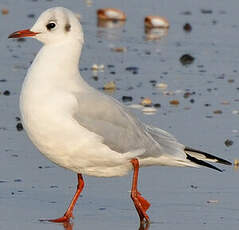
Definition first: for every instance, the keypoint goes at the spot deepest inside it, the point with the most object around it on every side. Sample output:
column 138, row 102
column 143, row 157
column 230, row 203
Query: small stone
column 236, row 162
column 187, row 27
column 153, row 82
column 146, row 101
column 31, row 15
column 110, row 66
column 174, row 102
column 161, row 85
column 96, row 67
column 192, row 100
column 6, row 93
column 18, row 118
column 127, row 98
column 19, row 126
column 212, row 201
column 186, row 59
column 230, row 80
column 132, row 69
column 187, row 13
column 225, row 103
column 206, row 11
column 193, row 186
column 95, row 78
column 157, row 105
column 4, row 11
column 89, row 3
column 228, row 142
column 217, row 111
column 119, row 49
column 109, row 86
column 187, row 95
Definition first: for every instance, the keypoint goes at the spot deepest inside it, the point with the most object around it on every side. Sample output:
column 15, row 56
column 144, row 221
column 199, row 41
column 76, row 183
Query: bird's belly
column 63, row 141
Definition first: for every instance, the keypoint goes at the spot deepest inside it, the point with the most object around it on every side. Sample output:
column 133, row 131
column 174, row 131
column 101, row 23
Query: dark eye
column 51, row 25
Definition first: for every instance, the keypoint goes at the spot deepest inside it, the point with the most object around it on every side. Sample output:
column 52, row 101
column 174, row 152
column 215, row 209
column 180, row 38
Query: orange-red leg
column 69, row 212
column 140, row 203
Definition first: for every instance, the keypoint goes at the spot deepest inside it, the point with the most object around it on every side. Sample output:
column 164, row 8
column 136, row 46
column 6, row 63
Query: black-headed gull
column 81, row 129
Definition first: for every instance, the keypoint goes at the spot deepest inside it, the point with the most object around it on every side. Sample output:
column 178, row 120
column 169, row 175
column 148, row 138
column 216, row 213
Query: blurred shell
column 174, row 102
column 236, row 162
column 4, row 11
column 96, row 67
column 161, row 85
column 149, row 110
column 109, row 86
column 156, row 22
column 146, row 101
column 111, row 14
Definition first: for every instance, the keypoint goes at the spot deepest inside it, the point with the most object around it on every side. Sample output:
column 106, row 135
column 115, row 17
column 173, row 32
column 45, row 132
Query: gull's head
column 54, row 25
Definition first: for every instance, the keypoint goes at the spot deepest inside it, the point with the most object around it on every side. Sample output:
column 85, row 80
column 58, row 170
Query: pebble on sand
column 111, row 14
column 236, row 162
column 119, row 49
column 156, row 22
column 19, row 126
column 186, row 59
column 96, row 67
column 6, row 92
column 110, row 86
column 127, row 98
column 217, row 111
column 212, row 201
column 161, row 85
column 174, row 102
column 228, row 142
column 146, row 101
column 4, row 11
column 187, row 27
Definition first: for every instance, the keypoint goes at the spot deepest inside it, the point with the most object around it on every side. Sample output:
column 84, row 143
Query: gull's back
column 121, row 130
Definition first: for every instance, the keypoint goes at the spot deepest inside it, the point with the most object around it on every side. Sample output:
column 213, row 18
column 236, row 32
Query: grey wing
column 121, row 131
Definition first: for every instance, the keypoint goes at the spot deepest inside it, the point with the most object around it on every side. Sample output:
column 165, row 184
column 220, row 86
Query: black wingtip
column 203, row 163
column 209, row 156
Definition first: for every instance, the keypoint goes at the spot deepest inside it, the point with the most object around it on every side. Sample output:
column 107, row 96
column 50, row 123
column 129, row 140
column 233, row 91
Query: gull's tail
column 201, row 158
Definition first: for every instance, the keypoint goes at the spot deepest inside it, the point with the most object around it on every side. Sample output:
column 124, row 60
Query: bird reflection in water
column 109, row 29
column 68, row 225
column 153, row 34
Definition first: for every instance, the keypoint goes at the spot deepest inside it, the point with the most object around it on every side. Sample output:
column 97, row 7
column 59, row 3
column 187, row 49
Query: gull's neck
column 56, row 65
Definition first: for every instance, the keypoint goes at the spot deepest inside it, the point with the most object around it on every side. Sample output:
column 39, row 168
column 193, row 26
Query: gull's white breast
column 47, row 107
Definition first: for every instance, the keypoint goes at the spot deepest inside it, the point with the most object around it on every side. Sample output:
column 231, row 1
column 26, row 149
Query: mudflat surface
column 32, row 188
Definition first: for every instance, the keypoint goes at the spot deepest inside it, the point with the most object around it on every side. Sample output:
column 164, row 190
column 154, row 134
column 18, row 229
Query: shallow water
column 32, row 188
